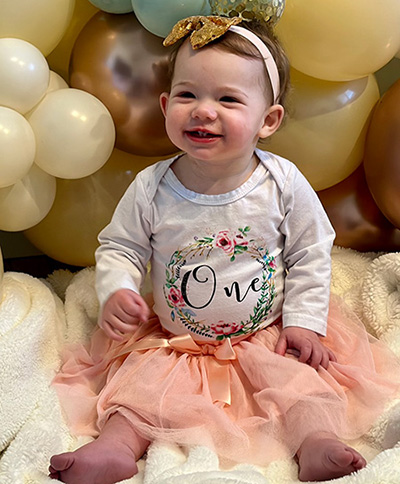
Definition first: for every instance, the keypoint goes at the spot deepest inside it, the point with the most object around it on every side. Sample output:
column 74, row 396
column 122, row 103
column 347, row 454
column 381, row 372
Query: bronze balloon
column 122, row 64
column 382, row 154
column 358, row 222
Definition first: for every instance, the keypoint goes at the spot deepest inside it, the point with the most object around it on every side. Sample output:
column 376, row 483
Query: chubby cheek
column 239, row 130
column 174, row 130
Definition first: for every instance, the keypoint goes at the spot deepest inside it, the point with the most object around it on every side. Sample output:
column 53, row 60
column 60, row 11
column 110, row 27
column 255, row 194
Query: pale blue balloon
column 113, row 6
column 159, row 16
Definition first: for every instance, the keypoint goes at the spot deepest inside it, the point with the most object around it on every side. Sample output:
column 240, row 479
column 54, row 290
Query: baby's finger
column 305, row 352
column 332, row 356
column 316, row 358
column 281, row 346
column 144, row 311
column 122, row 326
column 110, row 332
column 325, row 360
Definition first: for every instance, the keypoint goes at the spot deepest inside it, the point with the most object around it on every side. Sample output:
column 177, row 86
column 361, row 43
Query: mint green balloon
column 159, row 16
column 113, row 6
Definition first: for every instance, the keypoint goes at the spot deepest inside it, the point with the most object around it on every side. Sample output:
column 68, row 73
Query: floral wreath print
column 233, row 246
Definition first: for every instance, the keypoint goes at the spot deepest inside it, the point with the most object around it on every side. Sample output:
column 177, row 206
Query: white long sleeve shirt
column 222, row 265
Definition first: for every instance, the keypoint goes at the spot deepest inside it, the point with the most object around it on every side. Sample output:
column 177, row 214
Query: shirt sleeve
column 125, row 248
column 307, row 256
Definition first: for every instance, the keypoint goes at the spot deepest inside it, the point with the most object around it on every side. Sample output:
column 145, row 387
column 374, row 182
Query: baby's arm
column 307, row 343
column 121, row 313
column 307, row 256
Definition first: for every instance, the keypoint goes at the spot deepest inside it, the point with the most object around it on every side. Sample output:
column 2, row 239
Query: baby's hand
column 307, row 343
column 121, row 312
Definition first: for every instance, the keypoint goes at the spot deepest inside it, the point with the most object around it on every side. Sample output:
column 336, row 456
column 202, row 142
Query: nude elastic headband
column 270, row 63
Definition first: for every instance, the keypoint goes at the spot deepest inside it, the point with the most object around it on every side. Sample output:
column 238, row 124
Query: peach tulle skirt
column 245, row 402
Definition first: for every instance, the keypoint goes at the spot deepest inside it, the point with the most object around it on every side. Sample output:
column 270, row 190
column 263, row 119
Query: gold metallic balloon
column 122, row 64
column 382, row 154
column 267, row 10
column 82, row 208
column 358, row 222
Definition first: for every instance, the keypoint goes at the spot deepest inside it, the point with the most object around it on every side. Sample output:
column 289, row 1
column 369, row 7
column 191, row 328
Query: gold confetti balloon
column 266, row 10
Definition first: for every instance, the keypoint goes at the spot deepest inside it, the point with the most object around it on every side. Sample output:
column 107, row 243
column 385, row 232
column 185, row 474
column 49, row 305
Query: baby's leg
column 108, row 459
column 322, row 457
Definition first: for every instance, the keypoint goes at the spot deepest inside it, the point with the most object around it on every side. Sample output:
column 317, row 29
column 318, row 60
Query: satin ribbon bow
column 216, row 362
column 202, row 30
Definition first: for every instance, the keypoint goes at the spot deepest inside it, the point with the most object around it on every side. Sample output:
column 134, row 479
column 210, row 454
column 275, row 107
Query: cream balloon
column 40, row 22
column 56, row 82
column 82, row 208
column 28, row 201
column 17, row 146
column 74, row 131
column 24, row 75
column 325, row 131
column 59, row 58
column 340, row 40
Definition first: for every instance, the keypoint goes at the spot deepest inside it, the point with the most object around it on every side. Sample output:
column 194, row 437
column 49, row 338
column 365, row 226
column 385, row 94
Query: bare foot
column 323, row 457
column 95, row 463
column 109, row 459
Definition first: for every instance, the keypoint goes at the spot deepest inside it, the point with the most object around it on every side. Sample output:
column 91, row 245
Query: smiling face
column 217, row 108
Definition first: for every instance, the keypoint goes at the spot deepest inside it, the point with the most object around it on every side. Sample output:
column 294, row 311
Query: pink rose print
column 175, row 297
column 225, row 241
column 225, row 328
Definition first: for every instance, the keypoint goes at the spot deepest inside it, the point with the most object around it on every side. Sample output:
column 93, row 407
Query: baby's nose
column 205, row 110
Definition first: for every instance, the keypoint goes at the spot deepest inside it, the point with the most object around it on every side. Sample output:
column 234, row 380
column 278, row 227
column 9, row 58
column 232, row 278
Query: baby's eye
column 186, row 95
column 228, row 99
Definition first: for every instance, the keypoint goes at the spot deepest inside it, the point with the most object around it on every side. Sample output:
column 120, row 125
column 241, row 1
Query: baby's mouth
column 199, row 134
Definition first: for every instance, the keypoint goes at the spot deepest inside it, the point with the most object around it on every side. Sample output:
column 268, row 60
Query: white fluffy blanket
column 38, row 317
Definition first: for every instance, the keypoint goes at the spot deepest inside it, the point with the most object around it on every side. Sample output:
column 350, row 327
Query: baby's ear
column 272, row 120
column 164, row 98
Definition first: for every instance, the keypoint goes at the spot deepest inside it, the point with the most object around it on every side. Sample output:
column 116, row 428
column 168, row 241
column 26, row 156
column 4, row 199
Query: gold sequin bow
column 202, row 30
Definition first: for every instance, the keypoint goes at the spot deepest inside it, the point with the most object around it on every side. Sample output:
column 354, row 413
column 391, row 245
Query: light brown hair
column 236, row 44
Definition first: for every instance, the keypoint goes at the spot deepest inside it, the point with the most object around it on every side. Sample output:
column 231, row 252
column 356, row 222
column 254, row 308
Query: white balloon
column 17, row 146
column 24, row 74
column 28, row 201
column 56, row 82
column 74, row 131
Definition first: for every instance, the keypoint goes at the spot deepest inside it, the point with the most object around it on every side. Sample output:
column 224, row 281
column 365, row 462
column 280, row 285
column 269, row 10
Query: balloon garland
column 110, row 57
